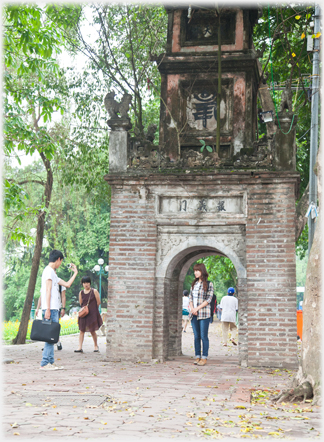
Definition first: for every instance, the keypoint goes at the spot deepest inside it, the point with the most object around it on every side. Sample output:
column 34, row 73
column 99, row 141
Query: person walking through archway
column 229, row 307
column 200, row 296
column 185, row 310
column 92, row 321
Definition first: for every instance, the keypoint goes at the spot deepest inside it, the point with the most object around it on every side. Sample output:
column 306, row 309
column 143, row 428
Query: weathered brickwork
column 131, row 275
column 150, row 253
column 271, row 269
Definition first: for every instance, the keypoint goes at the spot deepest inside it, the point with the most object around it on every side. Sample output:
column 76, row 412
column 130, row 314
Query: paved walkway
column 93, row 398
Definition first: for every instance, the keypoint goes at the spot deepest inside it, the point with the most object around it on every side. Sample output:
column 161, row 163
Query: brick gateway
column 152, row 247
column 171, row 205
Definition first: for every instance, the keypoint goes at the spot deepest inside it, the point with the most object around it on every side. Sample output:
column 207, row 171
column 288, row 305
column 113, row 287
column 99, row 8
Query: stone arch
column 170, row 276
column 210, row 243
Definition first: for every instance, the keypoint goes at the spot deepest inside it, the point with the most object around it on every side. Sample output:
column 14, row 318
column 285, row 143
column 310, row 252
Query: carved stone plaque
column 196, row 205
column 199, row 107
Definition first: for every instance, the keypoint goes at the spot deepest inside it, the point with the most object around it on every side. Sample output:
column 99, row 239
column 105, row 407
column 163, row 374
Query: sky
column 65, row 60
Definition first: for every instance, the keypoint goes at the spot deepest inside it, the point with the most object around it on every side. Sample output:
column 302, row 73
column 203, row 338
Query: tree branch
column 26, row 182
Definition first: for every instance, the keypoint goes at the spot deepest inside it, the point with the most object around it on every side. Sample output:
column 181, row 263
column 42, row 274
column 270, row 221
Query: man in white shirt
column 229, row 307
column 62, row 303
column 50, row 300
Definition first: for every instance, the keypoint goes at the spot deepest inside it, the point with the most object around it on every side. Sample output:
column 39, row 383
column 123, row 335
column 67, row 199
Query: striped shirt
column 197, row 294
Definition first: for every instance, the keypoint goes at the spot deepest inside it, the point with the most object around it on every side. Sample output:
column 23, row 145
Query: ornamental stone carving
column 117, row 110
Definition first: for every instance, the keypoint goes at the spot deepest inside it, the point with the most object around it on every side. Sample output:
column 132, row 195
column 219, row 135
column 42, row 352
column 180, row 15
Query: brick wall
column 243, row 320
column 131, row 275
column 161, row 319
column 271, row 275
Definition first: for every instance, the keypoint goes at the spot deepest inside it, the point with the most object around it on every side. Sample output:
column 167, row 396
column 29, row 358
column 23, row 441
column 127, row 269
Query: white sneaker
column 48, row 367
column 57, row 367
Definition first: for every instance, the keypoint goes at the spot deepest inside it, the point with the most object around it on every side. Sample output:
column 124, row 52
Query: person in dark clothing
column 93, row 321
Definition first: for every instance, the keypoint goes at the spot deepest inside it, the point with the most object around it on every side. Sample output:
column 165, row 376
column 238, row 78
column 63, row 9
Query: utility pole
column 314, row 127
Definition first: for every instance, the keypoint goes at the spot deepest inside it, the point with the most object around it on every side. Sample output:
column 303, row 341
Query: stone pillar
column 285, row 142
column 175, row 319
column 161, row 319
column 118, row 142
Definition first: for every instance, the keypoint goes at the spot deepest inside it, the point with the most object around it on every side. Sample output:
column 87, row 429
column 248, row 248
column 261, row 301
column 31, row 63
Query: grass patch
column 69, row 326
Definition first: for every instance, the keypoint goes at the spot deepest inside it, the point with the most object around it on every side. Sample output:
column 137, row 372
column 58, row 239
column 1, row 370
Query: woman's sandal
column 96, row 351
column 78, row 351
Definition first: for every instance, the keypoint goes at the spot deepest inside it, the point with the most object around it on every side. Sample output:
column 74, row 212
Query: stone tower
column 172, row 204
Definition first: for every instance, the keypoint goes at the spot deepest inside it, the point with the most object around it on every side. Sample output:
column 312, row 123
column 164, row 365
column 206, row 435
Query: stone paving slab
column 159, row 401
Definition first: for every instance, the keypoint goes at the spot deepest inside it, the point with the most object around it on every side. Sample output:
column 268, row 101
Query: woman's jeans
column 200, row 329
column 48, row 352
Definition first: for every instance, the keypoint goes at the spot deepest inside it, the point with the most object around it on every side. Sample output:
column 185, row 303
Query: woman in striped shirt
column 200, row 296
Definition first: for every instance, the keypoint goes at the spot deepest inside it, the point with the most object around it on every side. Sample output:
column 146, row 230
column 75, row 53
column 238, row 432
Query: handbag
column 84, row 311
column 45, row 331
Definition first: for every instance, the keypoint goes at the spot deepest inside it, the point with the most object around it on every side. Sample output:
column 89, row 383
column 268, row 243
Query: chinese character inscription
column 183, row 205
column 202, row 205
column 221, row 206
column 206, row 107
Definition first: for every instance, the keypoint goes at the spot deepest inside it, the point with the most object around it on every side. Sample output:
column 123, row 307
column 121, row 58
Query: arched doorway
column 171, row 273
column 222, row 274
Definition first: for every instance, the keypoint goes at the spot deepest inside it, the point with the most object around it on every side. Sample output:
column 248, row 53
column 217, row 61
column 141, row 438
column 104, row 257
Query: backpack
column 212, row 304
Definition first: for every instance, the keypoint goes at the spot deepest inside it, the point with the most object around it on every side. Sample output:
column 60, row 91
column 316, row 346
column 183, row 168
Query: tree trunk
column 310, row 371
column 139, row 114
column 301, row 210
column 22, row 331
